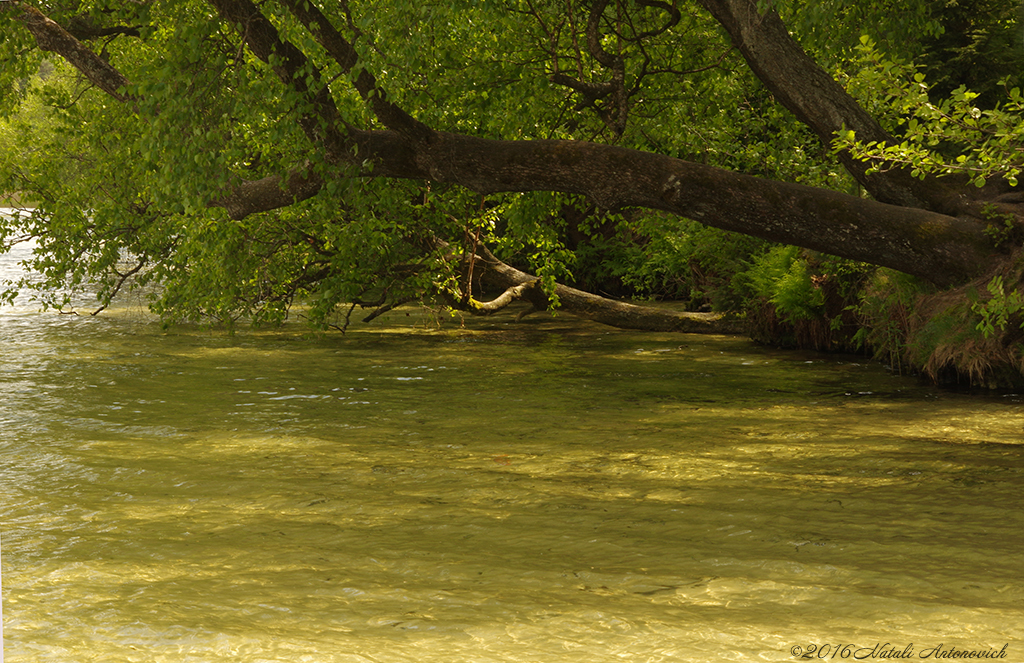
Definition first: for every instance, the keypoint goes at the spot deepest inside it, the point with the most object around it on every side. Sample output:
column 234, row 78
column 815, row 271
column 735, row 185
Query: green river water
column 546, row 491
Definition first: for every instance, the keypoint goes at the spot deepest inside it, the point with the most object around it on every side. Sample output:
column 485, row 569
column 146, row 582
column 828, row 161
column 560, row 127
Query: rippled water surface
column 544, row 491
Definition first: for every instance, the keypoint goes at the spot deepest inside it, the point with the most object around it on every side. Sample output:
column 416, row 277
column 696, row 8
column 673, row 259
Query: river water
column 546, row 491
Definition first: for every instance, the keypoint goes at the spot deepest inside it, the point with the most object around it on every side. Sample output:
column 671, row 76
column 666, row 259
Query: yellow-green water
column 544, row 491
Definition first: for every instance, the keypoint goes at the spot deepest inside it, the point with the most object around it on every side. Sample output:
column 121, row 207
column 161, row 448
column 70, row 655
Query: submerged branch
column 520, row 285
column 511, row 294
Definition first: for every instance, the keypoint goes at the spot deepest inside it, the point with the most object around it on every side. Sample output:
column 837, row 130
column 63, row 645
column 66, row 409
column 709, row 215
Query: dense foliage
column 120, row 188
column 129, row 192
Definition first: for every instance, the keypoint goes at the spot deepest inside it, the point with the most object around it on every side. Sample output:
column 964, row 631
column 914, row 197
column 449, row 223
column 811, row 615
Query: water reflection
column 547, row 491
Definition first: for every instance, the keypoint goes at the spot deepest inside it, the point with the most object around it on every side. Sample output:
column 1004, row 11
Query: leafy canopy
column 122, row 191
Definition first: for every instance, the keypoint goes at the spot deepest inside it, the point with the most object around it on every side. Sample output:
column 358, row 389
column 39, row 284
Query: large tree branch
column 818, row 101
column 52, row 37
column 270, row 193
column 941, row 248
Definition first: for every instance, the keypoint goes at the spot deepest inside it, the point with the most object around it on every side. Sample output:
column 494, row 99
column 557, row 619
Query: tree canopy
column 246, row 156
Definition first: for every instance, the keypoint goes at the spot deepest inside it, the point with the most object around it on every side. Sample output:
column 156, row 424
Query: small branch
column 594, row 37
column 84, row 28
column 591, row 92
column 673, row 20
column 387, row 307
column 120, row 282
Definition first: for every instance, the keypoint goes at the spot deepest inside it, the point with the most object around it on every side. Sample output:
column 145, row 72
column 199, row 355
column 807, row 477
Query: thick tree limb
column 270, row 193
column 940, row 248
column 511, row 294
column 52, row 37
column 817, row 100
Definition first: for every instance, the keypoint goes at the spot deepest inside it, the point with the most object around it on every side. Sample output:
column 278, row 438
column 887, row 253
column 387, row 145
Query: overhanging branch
column 520, row 285
column 940, row 248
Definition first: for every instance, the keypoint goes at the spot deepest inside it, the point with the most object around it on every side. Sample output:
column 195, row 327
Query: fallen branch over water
column 518, row 285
